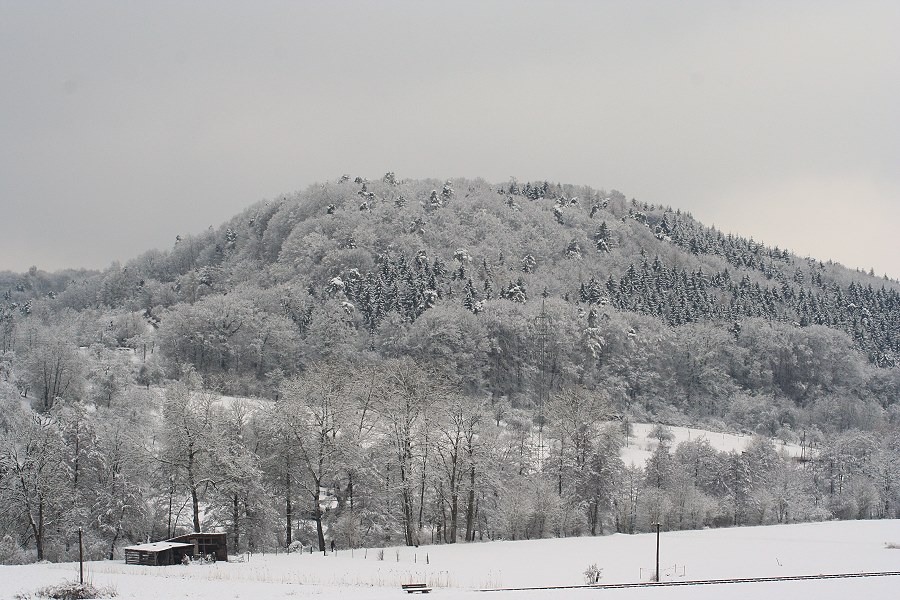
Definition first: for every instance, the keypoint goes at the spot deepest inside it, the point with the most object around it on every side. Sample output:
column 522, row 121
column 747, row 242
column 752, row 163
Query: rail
column 616, row 586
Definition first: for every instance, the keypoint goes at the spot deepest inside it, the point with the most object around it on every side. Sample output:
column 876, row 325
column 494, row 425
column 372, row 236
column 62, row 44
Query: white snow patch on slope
column 640, row 445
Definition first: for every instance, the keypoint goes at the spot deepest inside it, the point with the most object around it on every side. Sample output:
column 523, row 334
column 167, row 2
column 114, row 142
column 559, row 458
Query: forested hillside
column 440, row 360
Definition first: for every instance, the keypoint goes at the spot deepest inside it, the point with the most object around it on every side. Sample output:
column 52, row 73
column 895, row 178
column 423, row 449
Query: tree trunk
column 112, row 544
column 76, row 462
column 38, row 530
column 287, row 506
column 562, row 451
column 406, row 498
column 422, row 490
column 317, row 511
column 195, row 500
column 444, row 527
column 470, row 507
column 235, row 518
column 407, row 515
column 171, row 500
column 454, row 503
column 195, row 506
column 454, row 516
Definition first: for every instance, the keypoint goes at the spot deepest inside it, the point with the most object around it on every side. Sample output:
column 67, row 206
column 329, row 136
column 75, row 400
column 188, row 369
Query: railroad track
column 644, row 584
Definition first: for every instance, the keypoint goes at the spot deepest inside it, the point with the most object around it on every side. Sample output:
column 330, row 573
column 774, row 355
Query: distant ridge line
column 614, row 586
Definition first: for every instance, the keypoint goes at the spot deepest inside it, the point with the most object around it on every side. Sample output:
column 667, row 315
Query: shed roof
column 158, row 546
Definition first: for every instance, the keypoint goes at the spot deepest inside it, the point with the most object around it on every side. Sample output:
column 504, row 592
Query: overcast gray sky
column 123, row 124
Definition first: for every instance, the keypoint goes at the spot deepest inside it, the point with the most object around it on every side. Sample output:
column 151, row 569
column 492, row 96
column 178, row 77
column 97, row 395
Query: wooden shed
column 157, row 553
column 205, row 544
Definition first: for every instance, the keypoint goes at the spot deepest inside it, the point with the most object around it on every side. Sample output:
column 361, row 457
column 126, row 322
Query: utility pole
column 657, row 552
column 80, row 558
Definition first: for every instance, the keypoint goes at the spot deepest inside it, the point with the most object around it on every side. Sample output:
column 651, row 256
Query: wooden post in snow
column 80, row 558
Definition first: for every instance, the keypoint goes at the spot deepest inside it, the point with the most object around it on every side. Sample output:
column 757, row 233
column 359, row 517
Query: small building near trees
column 172, row 552
column 157, row 554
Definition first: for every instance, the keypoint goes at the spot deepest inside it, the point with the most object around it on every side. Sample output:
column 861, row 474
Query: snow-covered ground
column 640, row 445
column 253, row 404
column 458, row 571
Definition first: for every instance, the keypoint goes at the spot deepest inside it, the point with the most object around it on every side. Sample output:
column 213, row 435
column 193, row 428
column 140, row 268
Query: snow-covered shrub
column 593, row 574
column 11, row 553
column 72, row 590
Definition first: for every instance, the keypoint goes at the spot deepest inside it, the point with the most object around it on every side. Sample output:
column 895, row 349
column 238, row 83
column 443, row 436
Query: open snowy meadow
column 640, row 442
column 457, row 571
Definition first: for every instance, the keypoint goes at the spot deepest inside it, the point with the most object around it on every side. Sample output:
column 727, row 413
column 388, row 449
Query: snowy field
column 458, row 571
column 640, row 445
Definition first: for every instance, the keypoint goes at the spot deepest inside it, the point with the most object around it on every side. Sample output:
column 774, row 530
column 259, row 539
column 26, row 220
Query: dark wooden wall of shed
column 162, row 557
column 206, row 543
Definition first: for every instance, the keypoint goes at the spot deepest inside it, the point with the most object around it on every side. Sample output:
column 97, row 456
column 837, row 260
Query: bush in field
column 593, row 574
column 71, row 590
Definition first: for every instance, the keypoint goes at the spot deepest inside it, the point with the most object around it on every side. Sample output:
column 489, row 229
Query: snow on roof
column 157, row 546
